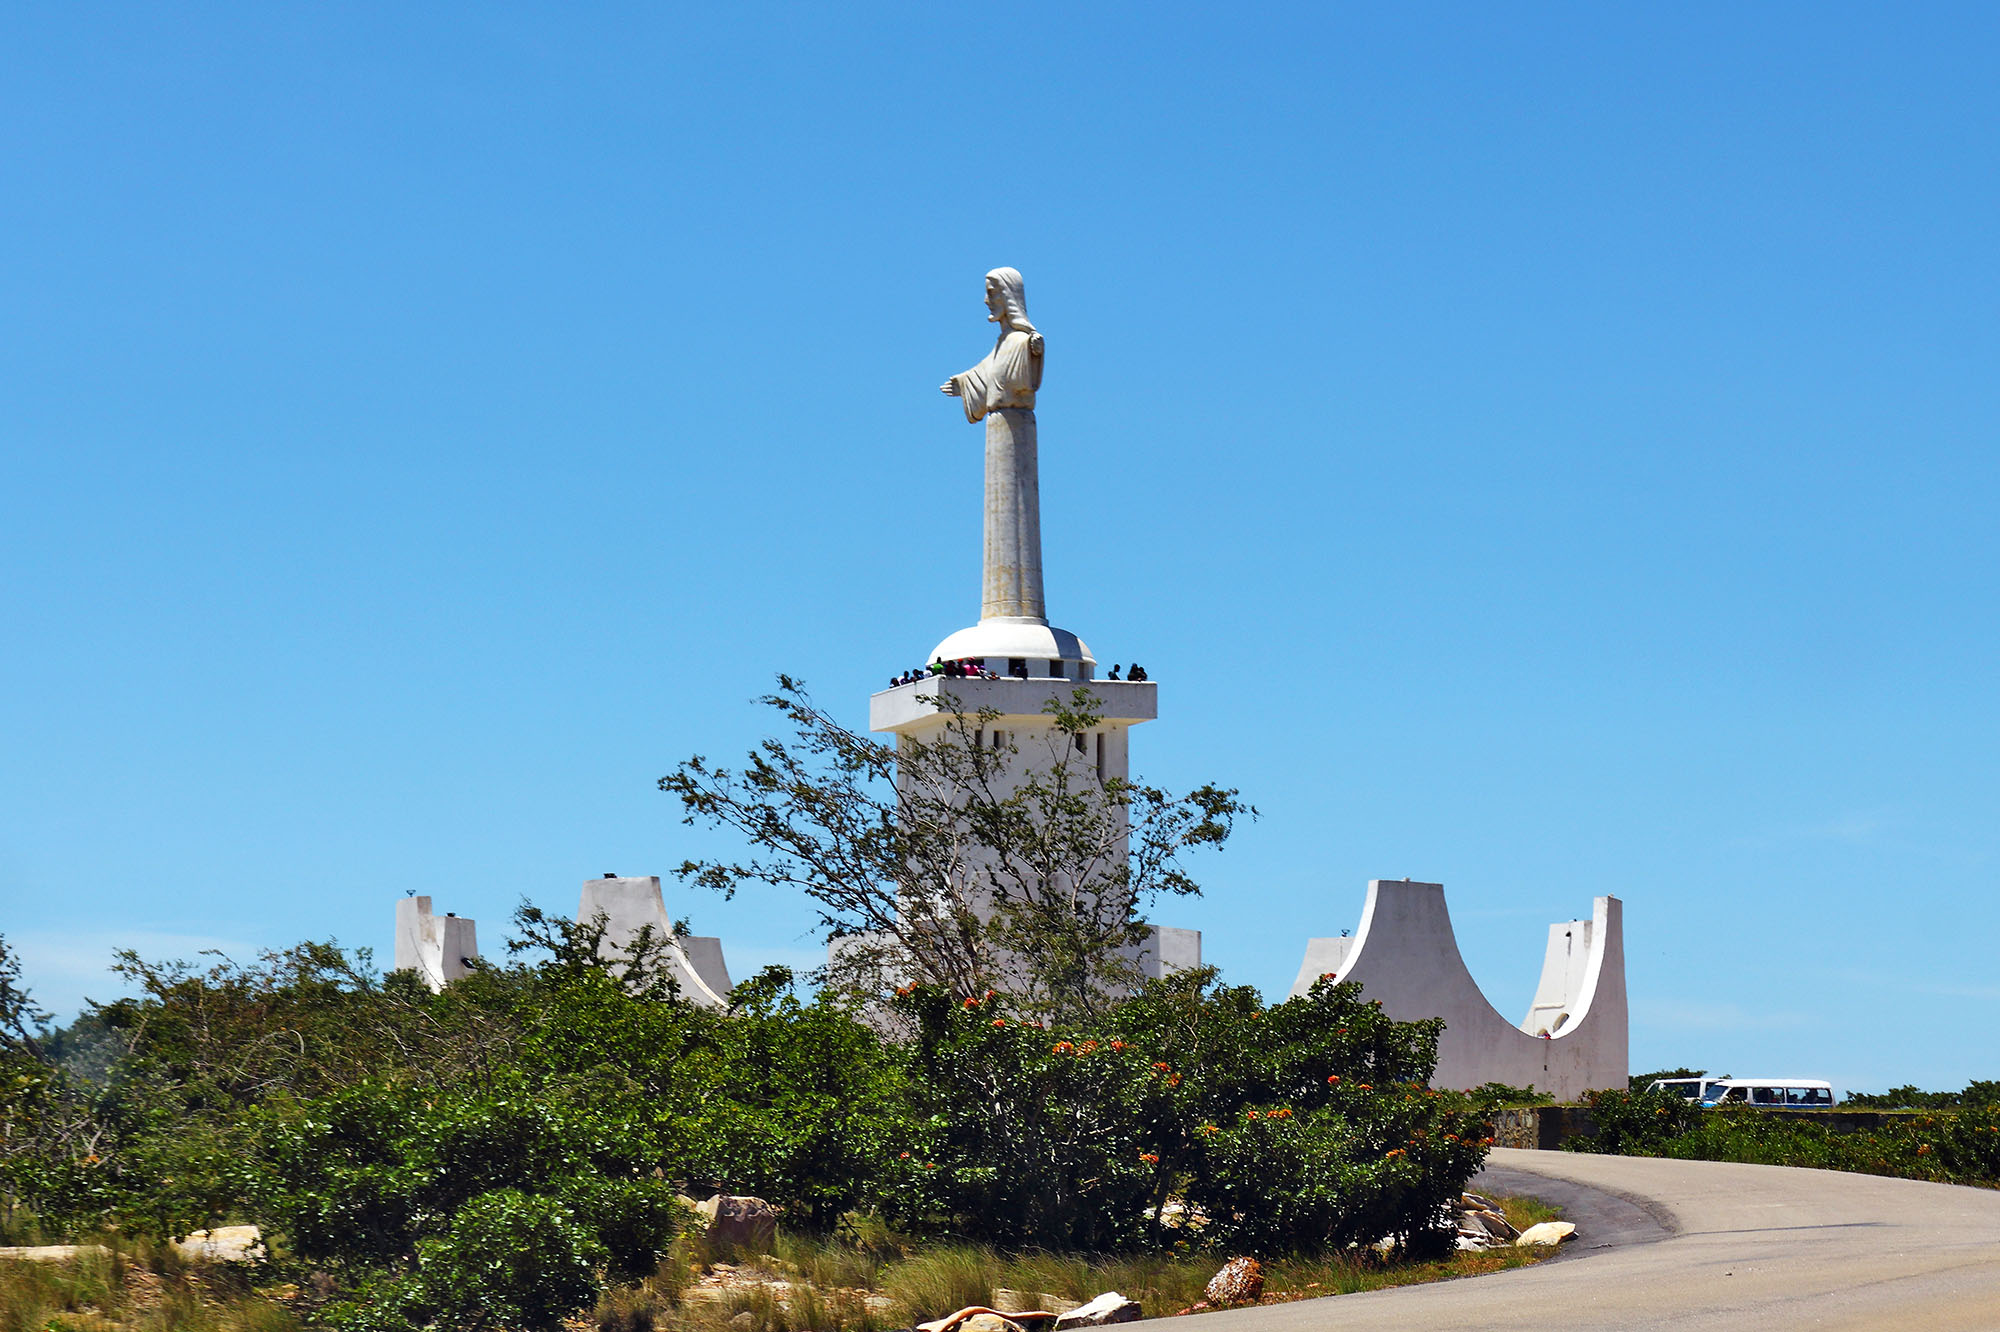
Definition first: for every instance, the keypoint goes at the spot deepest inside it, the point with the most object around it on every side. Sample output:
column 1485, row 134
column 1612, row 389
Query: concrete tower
column 1033, row 661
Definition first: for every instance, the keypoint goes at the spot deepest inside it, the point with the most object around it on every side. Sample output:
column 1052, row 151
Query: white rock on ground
column 224, row 1244
column 51, row 1253
column 1546, row 1234
column 1110, row 1307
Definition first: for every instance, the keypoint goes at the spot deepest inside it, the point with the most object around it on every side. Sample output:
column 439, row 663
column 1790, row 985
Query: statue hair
column 1013, row 297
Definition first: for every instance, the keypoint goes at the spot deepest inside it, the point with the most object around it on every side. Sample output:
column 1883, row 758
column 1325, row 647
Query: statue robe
column 1008, row 377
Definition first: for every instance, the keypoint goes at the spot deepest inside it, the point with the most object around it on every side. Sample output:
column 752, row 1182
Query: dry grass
column 829, row 1281
column 134, row 1290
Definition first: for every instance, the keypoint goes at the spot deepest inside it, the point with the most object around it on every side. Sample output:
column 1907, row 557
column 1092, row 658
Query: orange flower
column 1923, row 1149
column 1394, row 1151
column 1285, row 1113
column 1117, row 1045
column 988, row 995
column 1210, row 1128
column 1250, row 1114
column 970, row 1003
column 1486, row 1142
column 999, row 1022
column 1332, row 1079
column 1367, row 1086
column 1160, row 1067
column 1451, row 1137
column 1062, row 1047
column 1328, row 975
column 1149, row 1158
column 903, row 1156
column 1174, row 1080
column 1089, row 1046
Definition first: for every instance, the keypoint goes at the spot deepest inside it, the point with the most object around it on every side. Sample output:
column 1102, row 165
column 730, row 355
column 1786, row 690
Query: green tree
column 956, row 863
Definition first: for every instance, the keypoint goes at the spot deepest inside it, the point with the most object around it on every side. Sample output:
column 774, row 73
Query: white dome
column 1031, row 640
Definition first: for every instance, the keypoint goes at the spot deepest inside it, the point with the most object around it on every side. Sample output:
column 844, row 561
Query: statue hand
column 949, row 388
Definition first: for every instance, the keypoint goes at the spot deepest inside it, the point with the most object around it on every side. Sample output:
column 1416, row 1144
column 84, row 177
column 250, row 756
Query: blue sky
column 1548, row 452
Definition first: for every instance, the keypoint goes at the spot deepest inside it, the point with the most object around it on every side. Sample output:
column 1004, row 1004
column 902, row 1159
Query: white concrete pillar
column 439, row 949
column 1013, row 558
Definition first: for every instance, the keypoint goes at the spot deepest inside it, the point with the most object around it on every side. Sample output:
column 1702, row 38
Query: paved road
column 1705, row 1244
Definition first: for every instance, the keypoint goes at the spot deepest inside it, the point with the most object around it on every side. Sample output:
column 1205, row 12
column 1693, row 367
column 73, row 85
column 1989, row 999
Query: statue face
column 995, row 302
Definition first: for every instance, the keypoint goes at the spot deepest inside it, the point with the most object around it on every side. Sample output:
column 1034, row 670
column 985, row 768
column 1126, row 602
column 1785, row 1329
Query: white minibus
column 1772, row 1093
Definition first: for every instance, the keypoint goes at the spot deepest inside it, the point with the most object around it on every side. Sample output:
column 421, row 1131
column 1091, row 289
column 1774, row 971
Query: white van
column 1692, row 1089
column 1772, row 1093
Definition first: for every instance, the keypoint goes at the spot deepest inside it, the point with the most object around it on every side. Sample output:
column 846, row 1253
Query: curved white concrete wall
column 631, row 903
column 1406, row 955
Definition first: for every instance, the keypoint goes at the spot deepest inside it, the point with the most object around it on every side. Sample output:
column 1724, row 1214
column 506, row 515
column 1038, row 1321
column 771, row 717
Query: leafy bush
column 1299, row 1125
column 443, row 1205
column 1638, row 1123
column 1908, row 1097
column 1640, row 1081
column 1961, row 1147
column 508, row 1260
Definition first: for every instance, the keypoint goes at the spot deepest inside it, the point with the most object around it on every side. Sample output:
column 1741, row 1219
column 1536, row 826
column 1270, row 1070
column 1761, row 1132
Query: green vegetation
column 510, row 1151
column 1975, row 1095
column 1954, row 1148
column 1641, row 1081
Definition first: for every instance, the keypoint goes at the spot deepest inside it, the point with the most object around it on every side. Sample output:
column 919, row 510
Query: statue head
column 1007, row 298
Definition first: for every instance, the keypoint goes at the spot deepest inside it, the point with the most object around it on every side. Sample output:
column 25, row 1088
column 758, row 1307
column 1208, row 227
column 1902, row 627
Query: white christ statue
column 1001, row 391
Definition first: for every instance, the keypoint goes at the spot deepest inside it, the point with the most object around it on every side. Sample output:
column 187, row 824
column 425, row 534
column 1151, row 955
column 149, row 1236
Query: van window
column 1767, row 1096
